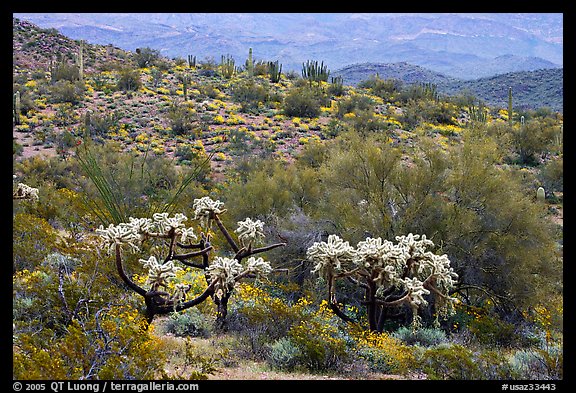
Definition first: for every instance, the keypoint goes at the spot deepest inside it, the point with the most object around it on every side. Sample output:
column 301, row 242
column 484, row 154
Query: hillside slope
column 531, row 89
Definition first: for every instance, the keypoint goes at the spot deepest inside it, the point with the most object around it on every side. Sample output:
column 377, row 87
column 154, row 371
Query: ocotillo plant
column 392, row 275
column 165, row 295
column 16, row 111
column 274, row 71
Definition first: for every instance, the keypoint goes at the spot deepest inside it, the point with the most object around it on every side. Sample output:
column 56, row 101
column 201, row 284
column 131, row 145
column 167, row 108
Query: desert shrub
column 450, row 362
column 146, row 57
column 491, row 330
column 321, row 340
column 113, row 344
column 128, row 80
column 552, row 174
column 66, row 91
column 191, row 323
column 384, row 88
column 425, row 337
column 65, row 71
column 99, row 125
column 33, row 238
column 533, row 139
column 380, row 351
column 303, row 102
column 456, row 362
column 360, row 102
column 284, row 355
column 538, row 364
column 252, row 312
column 250, row 94
column 17, row 148
column 182, row 120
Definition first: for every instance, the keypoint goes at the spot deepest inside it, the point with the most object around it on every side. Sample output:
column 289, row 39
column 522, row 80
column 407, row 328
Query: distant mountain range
column 463, row 46
column 531, row 89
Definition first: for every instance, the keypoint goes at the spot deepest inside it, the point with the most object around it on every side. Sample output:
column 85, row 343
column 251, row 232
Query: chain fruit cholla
column 393, row 274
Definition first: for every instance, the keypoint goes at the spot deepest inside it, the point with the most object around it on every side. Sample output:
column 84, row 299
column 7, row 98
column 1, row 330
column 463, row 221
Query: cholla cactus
column 137, row 230
column 392, row 274
column 258, row 266
column 249, row 231
column 165, row 224
column 330, row 255
column 119, row 235
column 205, row 208
column 224, row 271
column 221, row 274
column 24, row 191
column 159, row 274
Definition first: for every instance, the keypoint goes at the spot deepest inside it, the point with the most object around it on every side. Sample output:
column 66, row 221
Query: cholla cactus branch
column 329, row 256
column 392, row 274
column 224, row 270
column 24, row 191
column 205, row 209
column 249, row 231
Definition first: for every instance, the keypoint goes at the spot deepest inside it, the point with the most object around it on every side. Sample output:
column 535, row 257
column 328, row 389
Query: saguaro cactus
column 192, row 61
column 510, row 105
column 80, row 60
column 250, row 64
column 540, row 194
column 16, row 111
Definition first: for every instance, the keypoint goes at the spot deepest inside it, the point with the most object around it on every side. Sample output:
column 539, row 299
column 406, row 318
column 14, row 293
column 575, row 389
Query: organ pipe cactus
column 227, row 67
column 222, row 273
column 314, row 72
column 393, row 275
column 274, row 71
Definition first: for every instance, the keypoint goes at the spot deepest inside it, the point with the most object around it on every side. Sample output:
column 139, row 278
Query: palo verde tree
column 392, row 276
column 163, row 294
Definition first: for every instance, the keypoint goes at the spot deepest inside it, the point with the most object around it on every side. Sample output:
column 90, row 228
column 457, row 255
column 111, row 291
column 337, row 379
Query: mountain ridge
column 459, row 45
column 533, row 89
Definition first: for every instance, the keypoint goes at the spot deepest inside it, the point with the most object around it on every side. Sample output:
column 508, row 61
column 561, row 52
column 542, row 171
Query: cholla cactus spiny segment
column 249, row 231
column 118, row 235
column 159, row 274
column 258, row 265
column 24, row 191
column 205, row 207
column 224, row 270
column 330, row 255
column 368, row 252
column 165, row 224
